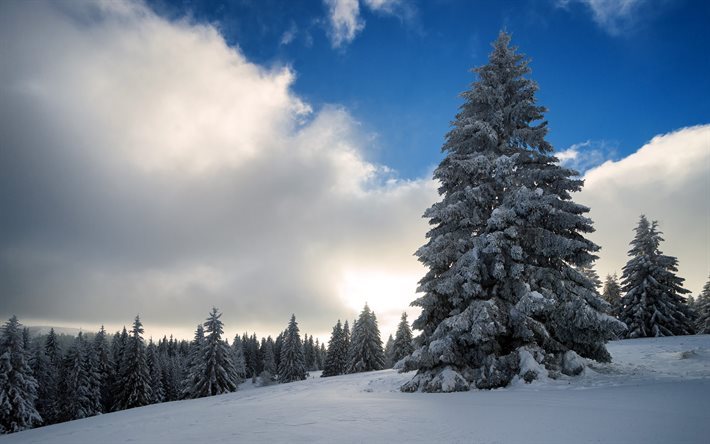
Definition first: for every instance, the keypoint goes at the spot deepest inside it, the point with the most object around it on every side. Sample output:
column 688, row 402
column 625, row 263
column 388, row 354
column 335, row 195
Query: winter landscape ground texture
column 656, row 390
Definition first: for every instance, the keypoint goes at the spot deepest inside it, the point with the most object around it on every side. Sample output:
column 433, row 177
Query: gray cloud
column 147, row 167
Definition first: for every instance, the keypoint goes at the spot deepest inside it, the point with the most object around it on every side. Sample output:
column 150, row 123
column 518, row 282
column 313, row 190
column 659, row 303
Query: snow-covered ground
column 655, row 391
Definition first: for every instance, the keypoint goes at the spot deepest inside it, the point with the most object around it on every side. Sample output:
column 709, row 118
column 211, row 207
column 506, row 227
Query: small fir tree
column 293, row 366
column 612, row 294
column 319, row 355
column 118, row 350
column 336, row 357
column 389, row 352
column 365, row 353
column 104, row 368
column 652, row 303
column 403, row 346
column 155, row 373
column 268, row 375
column 218, row 374
column 195, row 366
column 134, row 378
column 238, row 358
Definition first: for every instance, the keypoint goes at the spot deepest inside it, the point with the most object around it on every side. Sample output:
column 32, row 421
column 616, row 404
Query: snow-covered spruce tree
column 46, row 368
column 365, row 352
column 238, row 359
column 612, row 294
column 218, row 374
column 652, row 301
column 268, row 375
column 155, row 373
column 93, row 388
column 195, row 366
column 335, row 359
column 104, row 368
column 389, row 352
column 45, row 379
column 293, row 366
column 18, row 388
column 118, row 349
column 502, row 297
column 309, row 353
column 79, row 389
column 173, row 367
column 319, row 355
column 133, row 378
column 346, row 342
column 702, row 307
column 403, row 346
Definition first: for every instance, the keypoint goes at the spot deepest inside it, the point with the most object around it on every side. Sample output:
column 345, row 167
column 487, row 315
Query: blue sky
column 611, row 77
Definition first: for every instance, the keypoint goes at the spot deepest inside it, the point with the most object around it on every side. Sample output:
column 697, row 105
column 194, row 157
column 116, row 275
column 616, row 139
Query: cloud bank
column 149, row 168
column 668, row 180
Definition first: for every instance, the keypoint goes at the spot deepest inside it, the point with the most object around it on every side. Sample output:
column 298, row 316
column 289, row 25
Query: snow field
column 655, row 391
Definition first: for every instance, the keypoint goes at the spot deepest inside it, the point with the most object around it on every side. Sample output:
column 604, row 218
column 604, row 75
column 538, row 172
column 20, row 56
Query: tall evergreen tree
column 118, row 350
column 336, row 357
column 652, row 303
column 319, row 356
column 702, row 307
column 46, row 367
column 278, row 345
column 365, row 352
column 389, row 352
column 293, row 366
column 218, row 373
column 501, row 286
column 155, row 373
column 269, row 358
column 346, row 341
column 195, row 366
column 403, row 346
column 133, row 376
column 104, row 368
column 238, row 358
column 309, row 353
column 80, row 387
column 612, row 294
column 45, row 378
column 93, row 388
column 18, row 388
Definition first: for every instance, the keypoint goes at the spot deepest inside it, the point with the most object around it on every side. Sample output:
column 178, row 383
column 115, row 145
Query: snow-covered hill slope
column 655, row 391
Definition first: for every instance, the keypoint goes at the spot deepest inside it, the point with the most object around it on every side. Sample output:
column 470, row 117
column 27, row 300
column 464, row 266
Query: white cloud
column 345, row 22
column 585, row 155
column 289, row 35
column 148, row 167
column 614, row 16
column 667, row 179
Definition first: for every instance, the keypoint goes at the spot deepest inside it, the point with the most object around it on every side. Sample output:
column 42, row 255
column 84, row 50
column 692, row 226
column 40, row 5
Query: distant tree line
column 43, row 382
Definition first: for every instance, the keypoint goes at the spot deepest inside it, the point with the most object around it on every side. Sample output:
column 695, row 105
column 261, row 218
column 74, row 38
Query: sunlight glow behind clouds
column 170, row 174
